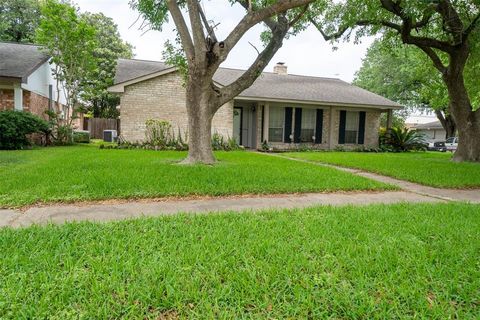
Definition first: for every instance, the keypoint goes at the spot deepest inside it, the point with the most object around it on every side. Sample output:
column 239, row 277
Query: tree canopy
column 108, row 49
column 446, row 31
column 18, row 20
column 71, row 43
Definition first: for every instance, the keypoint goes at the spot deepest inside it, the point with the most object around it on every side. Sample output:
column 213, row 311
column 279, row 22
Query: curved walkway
column 124, row 209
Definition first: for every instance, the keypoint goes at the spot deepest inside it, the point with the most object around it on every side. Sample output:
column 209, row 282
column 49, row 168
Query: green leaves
column 18, row 20
column 153, row 12
column 108, row 49
column 71, row 42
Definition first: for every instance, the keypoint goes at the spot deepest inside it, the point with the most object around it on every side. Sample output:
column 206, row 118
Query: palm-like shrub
column 402, row 140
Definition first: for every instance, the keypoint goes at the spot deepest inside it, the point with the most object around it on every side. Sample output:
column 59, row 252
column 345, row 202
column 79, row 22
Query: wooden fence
column 97, row 125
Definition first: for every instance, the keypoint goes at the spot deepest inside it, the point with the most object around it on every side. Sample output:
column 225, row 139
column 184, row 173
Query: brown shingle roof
column 272, row 86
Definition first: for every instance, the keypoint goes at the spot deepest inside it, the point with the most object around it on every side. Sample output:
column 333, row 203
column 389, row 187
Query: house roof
column 129, row 69
column 268, row 86
column 429, row 126
column 18, row 61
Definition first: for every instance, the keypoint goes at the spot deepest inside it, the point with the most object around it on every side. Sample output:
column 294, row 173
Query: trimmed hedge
column 16, row 125
column 81, row 137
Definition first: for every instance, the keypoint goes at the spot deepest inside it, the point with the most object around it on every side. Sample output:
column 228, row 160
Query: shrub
column 81, row 137
column 402, row 140
column 16, row 125
column 160, row 136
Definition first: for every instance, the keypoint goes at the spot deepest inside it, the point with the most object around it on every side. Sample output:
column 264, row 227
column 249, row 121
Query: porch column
column 389, row 119
column 266, row 115
column 18, row 97
column 331, row 129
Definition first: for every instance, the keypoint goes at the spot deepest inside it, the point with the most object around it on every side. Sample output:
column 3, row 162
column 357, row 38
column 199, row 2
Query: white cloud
column 306, row 54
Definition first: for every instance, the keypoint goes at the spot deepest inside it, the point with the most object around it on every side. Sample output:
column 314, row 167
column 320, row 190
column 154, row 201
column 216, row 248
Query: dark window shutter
column 288, row 125
column 361, row 128
column 319, row 126
column 341, row 129
column 298, row 125
column 263, row 124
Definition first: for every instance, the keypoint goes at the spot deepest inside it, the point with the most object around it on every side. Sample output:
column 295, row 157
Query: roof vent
column 280, row 68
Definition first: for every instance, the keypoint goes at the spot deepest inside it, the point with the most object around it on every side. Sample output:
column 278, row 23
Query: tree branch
column 299, row 16
column 472, row 26
column 279, row 32
column 182, row 29
column 210, row 29
column 437, row 62
column 199, row 41
column 254, row 17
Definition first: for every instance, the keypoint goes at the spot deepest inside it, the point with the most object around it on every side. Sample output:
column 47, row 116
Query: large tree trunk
column 467, row 120
column 200, row 114
column 447, row 122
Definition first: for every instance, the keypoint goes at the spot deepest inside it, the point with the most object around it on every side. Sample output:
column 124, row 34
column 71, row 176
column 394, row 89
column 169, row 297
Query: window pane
column 351, row 127
column 275, row 135
column 308, row 125
column 352, row 121
column 350, row 136
column 276, row 121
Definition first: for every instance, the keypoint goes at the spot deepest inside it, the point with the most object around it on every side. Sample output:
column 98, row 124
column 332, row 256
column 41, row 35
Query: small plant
column 265, row 146
column 219, row 142
column 304, row 148
column 15, row 126
column 402, row 140
column 158, row 133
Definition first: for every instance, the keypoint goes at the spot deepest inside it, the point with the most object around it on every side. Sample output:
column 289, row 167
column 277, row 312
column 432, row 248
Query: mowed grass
column 428, row 168
column 88, row 173
column 365, row 262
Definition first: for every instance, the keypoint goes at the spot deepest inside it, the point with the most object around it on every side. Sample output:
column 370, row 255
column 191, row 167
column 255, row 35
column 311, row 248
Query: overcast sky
column 306, row 54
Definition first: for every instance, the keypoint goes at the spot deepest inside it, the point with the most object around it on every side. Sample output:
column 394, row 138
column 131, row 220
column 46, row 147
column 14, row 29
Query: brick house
column 26, row 80
column 284, row 110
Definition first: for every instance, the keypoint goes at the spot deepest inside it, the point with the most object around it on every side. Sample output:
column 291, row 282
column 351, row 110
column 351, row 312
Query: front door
column 237, row 124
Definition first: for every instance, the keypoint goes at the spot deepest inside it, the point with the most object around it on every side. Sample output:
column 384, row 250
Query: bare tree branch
column 199, row 41
column 258, row 52
column 182, row 29
column 210, row 29
column 252, row 73
column 254, row 17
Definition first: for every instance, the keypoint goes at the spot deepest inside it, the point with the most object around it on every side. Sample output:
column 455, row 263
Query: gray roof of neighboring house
column 272, row 86
column 19, row 60
column 429, row 126
column 128, row 69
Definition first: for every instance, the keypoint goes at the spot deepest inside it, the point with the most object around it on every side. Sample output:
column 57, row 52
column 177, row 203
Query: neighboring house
column 433, row 131
column 281, row 109
column 26, row 80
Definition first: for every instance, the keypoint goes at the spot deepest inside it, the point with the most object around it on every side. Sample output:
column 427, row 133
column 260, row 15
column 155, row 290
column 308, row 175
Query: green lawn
column 88, row 173
column 383, row 262
column 428, row 168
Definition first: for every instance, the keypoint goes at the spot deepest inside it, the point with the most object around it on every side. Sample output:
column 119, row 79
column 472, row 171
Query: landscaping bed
column 428, row 168
column 372, row 262
column 84, row 173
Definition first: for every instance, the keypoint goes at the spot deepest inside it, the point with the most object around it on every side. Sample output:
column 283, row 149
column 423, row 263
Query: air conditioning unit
column 109, row 135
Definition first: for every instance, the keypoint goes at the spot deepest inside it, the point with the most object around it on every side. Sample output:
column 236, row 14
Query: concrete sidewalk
column 135, row 209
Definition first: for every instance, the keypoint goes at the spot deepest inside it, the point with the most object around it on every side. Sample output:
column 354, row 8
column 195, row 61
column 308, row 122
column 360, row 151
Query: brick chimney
column 280, row 68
